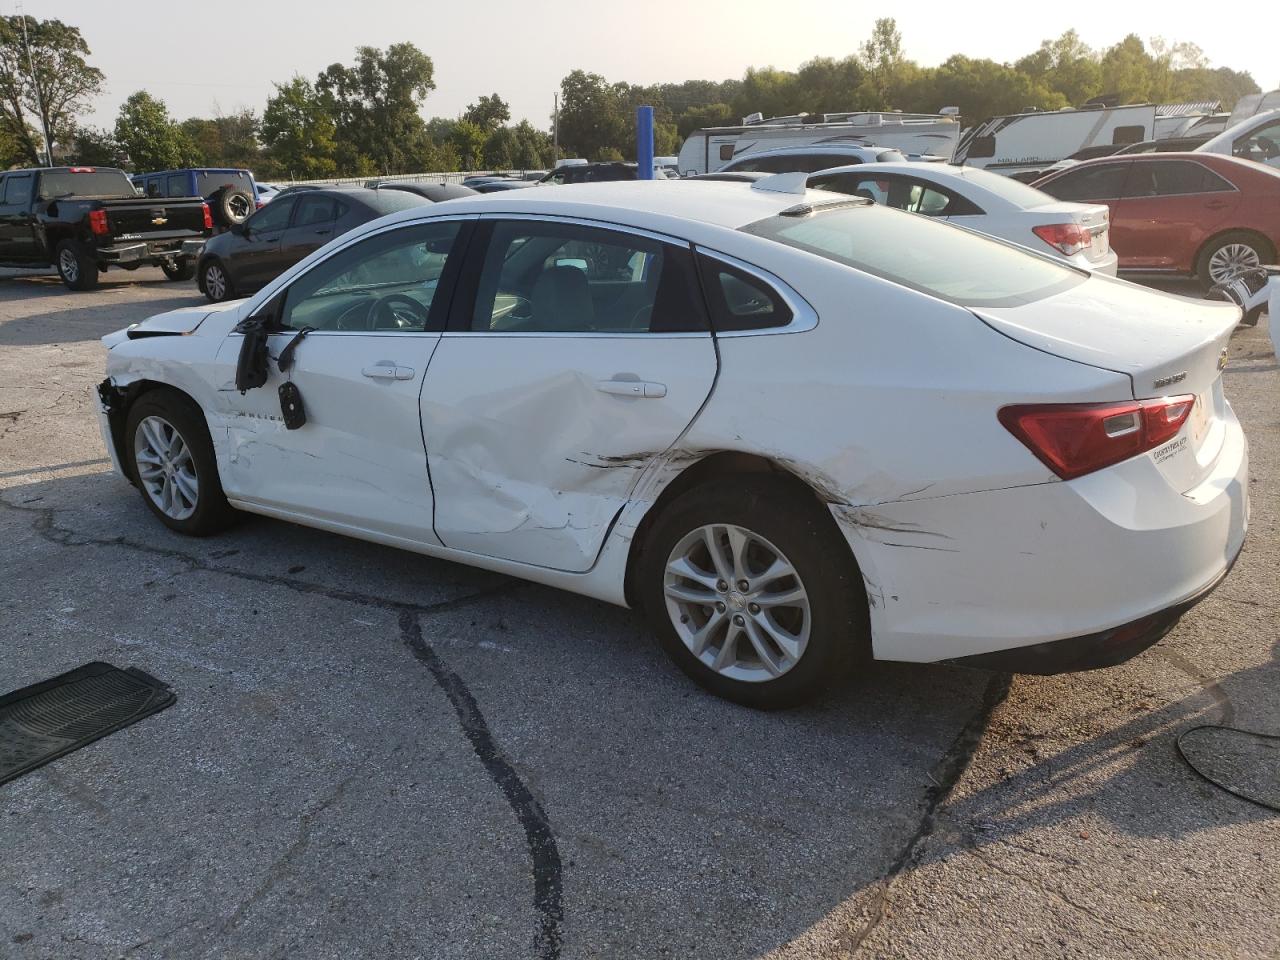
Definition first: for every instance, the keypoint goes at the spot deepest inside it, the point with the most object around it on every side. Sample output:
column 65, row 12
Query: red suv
column 1188, row 213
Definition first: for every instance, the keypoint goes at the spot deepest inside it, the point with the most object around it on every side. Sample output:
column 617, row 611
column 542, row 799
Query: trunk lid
column 1167, row 345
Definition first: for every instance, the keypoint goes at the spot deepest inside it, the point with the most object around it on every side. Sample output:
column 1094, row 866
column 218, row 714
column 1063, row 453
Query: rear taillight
column 98, row 222
column 1073, row 439
column 208, row 217
column 1067, row 238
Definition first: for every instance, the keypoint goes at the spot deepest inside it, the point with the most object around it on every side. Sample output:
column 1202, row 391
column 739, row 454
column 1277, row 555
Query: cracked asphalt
column 375, row 754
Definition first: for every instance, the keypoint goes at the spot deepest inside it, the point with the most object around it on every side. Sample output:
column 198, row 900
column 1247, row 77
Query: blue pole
column 644, row 143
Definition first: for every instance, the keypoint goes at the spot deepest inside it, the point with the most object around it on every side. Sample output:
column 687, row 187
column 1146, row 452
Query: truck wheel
column 179, row 270
column 215, row 282
column 78, row 270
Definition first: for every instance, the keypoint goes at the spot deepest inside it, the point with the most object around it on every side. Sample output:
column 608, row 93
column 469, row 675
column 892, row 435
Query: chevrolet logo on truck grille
column 159, row 221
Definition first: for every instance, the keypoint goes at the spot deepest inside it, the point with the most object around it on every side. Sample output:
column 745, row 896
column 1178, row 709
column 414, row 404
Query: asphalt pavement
column 378, row 755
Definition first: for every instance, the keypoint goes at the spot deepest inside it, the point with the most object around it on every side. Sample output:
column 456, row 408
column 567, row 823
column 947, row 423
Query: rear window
column 207, row 183
column 1006, row 188
column 795, row 162
column 944, row 261
column 383, row 202
column 98, row 183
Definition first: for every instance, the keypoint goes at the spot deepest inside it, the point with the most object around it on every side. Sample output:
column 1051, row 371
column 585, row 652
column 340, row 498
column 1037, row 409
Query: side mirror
column 239, row 229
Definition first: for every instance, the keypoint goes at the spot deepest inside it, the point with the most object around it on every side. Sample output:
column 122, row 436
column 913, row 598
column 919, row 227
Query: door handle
column 323, row 233
column 387, row 370
column 632, row 388
column 1216, row 204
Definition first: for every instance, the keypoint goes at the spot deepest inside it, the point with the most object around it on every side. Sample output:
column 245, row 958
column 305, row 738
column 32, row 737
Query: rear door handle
column 1216, row 204
column 632, row 388
column 388, row 370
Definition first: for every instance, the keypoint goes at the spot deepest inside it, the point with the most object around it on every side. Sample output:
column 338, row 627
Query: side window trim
column 803, row 316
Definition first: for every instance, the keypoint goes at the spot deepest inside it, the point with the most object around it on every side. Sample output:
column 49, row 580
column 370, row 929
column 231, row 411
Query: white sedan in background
column 798, row 431
column 999, row 206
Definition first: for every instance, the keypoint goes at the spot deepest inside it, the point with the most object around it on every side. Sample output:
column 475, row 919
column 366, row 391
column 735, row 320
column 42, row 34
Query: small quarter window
column 726, row 151
column 740, row 301
column 1131, row 134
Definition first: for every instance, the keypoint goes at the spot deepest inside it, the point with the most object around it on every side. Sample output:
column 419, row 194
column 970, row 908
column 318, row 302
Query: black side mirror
column 239, row 229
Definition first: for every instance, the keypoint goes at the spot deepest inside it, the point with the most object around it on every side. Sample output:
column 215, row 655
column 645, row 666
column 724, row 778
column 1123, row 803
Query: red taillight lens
column 98, row 222
column 208, row 217
column 1067, row 238
column 1073, row 439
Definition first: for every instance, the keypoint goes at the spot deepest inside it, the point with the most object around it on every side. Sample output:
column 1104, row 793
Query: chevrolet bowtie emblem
column 159, row 221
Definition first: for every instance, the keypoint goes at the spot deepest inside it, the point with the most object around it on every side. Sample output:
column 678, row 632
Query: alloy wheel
column 737, row 603
column 165, row 468
column 239, row 206
column 215, row 282
column 1230, row 259
column 69, row 266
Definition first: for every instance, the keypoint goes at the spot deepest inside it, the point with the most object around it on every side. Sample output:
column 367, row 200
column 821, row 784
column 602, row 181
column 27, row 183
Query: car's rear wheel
column 1225, row 256
column 78, row 270
column 753, row 592
column 171, row 458
column 183, row 269
column 216, row 282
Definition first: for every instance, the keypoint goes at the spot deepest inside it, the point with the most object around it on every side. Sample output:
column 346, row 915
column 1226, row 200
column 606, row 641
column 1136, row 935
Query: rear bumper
column 1097, row 650
column 160, row 251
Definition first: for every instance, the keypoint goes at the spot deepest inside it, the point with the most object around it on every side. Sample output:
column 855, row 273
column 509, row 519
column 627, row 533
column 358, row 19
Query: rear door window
column 1171, row 178
column 313, row 210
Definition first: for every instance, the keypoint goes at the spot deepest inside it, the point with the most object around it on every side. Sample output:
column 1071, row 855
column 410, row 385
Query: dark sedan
column 297, row 222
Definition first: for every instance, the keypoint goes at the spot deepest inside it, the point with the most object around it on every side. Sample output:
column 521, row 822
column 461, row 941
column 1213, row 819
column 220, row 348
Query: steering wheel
column 396, row 311
column 1269, row 147
column 358, row 316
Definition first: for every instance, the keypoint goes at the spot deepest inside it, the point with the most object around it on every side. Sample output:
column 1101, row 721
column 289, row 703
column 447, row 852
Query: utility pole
column 555, row 132
column 35, row 82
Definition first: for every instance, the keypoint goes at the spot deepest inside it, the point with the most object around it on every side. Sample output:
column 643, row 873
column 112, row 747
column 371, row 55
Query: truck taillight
column 1067, row 238
column 208, row 217
column 98, row 222
column 1073, row 439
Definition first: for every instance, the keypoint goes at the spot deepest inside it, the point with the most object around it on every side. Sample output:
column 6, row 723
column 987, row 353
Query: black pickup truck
column 85, row 219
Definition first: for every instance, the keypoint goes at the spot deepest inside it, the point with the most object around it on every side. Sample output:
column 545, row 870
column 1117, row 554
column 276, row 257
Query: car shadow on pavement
column 542, row 772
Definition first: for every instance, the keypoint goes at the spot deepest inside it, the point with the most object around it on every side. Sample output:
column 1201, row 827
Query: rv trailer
column 913, row 134
column 1023, row 143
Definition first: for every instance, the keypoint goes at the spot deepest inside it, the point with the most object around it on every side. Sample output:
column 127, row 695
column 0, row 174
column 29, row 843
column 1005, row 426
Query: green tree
column 374, row 104
column 830, row 86
column 1128, row 71
column 150, row 139
column 92, row 147
column 984, row 88
column 1066, row 65
column 769, row 91
column 226, row 140
column 887, row 68
column 298, row 131
column 61, row 86
column 468, row 141
column 488, row 113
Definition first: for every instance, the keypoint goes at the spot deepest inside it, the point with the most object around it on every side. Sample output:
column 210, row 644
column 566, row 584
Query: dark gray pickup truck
column 83, row 220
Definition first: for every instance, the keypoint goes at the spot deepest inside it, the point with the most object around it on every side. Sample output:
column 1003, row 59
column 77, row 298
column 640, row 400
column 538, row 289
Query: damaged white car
column 799, row 431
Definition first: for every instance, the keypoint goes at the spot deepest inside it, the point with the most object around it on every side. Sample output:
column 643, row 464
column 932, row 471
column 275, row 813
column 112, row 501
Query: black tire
column 784, row 513
column 1261, row 250
column 210, row 270
column 229, row 207
column 77, row 268
column 211, row 513
column 183, row 269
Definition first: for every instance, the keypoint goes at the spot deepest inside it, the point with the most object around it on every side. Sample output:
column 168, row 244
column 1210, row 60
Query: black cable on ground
column 1222, row 786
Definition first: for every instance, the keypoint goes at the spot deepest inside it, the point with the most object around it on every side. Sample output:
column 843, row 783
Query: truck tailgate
column 153, row 219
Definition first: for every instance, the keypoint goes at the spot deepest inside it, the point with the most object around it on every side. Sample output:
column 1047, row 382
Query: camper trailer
column 913, row 134
column 1023, row 143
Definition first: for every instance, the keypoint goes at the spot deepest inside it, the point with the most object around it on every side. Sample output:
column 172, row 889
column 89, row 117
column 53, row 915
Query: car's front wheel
column 753, row 592
column 215, row 282
column 171, row 458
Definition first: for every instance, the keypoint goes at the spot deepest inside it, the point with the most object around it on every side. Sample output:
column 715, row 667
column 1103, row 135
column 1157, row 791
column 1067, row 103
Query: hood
column 172, row 323
column 1165, row 343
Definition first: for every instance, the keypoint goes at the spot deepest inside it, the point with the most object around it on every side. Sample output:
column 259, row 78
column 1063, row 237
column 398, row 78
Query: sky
column 229, row 53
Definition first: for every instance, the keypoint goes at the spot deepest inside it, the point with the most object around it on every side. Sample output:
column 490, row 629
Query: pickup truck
column 83, row 220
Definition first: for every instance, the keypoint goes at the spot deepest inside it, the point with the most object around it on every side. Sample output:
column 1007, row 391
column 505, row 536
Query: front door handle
column 632, row 388
column 388, row 370
column 323, row 233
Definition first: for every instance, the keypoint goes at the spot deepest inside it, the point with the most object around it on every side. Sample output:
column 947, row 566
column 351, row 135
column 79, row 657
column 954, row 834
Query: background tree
column 93, row 147
column 1065, row 65
column 468, row 140
column 374, row 104
column 488, row 113
column 298, row 132
column 886, row 66
column 150, row 139
column 60, row 88
column 226, row 140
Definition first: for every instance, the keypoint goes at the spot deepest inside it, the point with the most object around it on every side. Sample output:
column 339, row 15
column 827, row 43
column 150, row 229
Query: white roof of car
column 969, row 181
column 656, row 204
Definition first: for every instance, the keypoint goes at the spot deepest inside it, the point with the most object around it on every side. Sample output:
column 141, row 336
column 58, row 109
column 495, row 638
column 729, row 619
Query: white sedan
column 798, row 431
column 987, row 202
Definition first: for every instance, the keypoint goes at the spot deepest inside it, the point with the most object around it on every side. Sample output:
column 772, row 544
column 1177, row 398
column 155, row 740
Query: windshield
column 89, row 183
column 944, row 261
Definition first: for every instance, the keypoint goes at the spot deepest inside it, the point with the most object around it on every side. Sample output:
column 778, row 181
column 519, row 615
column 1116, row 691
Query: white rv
column 1029, row 142
column 912, row 134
